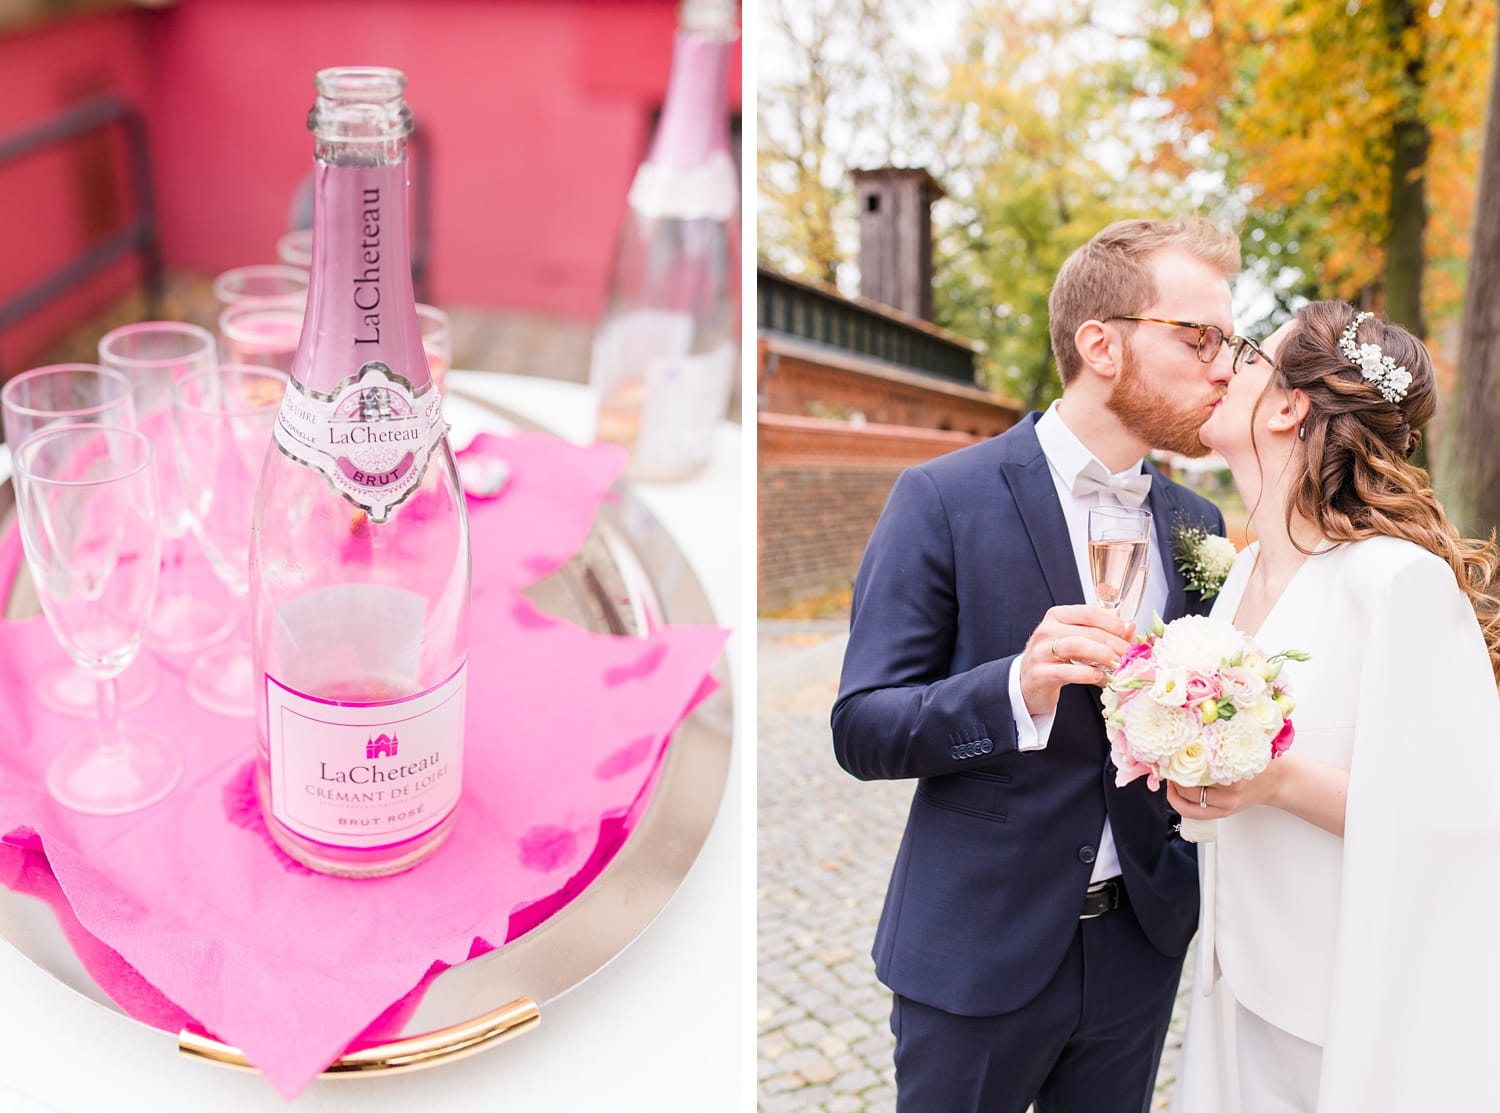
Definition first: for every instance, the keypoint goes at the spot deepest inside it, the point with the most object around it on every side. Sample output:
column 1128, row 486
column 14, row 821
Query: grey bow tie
column 1131, row 490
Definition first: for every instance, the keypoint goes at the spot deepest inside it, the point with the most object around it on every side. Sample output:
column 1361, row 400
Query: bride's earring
column 1302, row 431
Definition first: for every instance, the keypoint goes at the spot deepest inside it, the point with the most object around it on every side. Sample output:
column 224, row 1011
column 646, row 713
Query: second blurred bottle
column 667, row 349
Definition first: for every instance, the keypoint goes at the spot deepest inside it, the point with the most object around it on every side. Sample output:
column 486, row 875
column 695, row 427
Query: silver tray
column 626, row 577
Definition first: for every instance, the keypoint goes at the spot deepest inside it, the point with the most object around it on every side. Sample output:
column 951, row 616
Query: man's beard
column 1151, row 414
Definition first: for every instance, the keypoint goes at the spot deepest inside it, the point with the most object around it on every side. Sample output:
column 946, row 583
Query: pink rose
column 1139, row 649
column 1201, row 687
column 1283, row 740
column 1127, row 768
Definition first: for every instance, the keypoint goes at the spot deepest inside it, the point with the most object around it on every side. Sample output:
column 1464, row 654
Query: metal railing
column 793, row 308
column 139, row 235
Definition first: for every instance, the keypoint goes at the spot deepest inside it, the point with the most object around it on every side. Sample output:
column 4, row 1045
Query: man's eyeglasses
column 1211, row 338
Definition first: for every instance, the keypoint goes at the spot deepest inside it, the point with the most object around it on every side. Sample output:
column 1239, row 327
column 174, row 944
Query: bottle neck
column 695, row 118
column 361, row 306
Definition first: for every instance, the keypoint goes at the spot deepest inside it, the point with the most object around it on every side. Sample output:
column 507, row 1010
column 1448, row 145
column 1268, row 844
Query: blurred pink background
column 536, row 111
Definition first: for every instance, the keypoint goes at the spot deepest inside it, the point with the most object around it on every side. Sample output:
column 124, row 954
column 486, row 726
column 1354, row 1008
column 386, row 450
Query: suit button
column 1086, row 854
column 985, row 745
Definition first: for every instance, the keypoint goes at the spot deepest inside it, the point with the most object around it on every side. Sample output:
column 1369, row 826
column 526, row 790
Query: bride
column 1347, row 953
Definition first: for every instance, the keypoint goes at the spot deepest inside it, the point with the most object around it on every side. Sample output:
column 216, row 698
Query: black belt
column 1102, row 897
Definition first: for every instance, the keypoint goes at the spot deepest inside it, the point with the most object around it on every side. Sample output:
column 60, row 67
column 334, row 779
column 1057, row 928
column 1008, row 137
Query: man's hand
column 1072, row 645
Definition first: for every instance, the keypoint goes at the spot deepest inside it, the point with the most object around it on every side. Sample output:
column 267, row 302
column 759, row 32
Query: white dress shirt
column 1067, row 456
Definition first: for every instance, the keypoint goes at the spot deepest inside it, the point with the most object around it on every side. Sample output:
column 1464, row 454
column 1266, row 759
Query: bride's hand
column 1223, row 800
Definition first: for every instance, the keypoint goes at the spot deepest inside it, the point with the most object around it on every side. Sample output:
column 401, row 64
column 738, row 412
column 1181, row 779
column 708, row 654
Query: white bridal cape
column 1382, row 948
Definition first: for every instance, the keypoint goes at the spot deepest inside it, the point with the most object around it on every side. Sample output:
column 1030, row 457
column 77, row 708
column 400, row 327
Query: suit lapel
column 1164, row 519
column 1030, row 481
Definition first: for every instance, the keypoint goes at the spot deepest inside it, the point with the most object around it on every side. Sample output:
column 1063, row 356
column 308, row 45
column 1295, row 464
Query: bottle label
column 371, row 438
column 365, row 775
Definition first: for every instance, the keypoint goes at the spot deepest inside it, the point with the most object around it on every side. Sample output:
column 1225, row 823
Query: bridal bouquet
column 1197, row 703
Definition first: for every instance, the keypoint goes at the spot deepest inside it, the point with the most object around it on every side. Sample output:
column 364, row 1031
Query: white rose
column 1241, row 748
column 1197, row 642
column 1170, row 688
column 1189, row 765
column 1155, row 732
column 1268, row 714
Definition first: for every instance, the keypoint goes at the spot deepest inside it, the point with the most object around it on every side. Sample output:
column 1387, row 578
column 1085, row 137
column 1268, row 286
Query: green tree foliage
column 1053, row 147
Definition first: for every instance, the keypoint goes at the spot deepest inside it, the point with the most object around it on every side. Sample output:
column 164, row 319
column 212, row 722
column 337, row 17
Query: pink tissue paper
column 187, row 914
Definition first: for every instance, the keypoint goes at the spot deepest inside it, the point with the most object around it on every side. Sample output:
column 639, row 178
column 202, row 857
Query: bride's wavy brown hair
column 1359, row 481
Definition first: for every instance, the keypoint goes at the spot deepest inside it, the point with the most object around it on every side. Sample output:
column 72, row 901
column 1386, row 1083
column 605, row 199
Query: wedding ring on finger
column 1203, row 797
column 1056, row 654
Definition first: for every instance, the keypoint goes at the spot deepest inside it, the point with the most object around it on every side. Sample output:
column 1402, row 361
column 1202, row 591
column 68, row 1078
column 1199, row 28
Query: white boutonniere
column 1203, row 558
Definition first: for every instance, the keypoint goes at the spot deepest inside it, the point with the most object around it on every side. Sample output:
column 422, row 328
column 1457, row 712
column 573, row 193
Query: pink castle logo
column 384, row 746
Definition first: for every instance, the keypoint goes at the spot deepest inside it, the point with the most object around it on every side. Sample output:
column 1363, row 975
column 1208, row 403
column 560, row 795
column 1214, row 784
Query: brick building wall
column 796, row 377
column 822, row 485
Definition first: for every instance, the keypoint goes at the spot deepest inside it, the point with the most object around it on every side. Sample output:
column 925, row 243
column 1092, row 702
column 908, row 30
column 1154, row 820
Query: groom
column 1037, row 915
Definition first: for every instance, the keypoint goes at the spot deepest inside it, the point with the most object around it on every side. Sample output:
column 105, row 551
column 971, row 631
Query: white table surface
column 663, row 1027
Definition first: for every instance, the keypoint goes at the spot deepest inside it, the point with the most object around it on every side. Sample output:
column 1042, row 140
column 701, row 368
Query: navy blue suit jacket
column 971, row 549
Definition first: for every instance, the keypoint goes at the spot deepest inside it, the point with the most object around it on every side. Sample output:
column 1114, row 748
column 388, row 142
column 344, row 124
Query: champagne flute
column 295, row 248
column 74, row 394
column 262, row 333
column 261, row 283
column 152, row 355
column 223, row 420
column 1119, row 550
column 437, row 341
column 90, row 525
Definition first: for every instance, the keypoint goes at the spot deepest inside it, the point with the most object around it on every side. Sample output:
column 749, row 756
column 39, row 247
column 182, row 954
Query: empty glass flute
column 90, row 526
column 153, row 355
column 74, row 394
column 223, row 420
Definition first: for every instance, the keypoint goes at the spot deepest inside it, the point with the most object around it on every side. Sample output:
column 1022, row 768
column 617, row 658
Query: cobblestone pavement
column 826, row 844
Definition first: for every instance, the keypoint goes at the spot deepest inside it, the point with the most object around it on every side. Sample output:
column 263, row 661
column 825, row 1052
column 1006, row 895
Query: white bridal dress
column 1362, row 974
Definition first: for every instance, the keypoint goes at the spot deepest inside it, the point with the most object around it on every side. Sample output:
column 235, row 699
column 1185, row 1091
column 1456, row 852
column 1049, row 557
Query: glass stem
column 111, row 726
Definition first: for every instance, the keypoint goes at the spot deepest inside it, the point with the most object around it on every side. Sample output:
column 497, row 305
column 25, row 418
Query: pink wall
column 54, row 204
column 537, row 112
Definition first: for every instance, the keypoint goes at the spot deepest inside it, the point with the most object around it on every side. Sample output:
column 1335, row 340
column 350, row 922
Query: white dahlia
column 1156, row 732
column 1240, row 749
column 1197, row 642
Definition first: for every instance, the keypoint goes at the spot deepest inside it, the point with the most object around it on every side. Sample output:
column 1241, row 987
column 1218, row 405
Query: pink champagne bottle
column 667, row 348
column 359, row 561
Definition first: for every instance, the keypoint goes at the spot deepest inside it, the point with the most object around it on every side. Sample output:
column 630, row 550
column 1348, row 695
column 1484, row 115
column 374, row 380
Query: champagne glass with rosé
column 1119, row 550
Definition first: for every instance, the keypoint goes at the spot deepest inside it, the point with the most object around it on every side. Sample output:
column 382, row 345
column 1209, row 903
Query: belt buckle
column 1103, row 889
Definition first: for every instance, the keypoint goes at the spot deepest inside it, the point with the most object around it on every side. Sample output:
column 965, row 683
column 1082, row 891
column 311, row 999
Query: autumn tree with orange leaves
column 1351, row 128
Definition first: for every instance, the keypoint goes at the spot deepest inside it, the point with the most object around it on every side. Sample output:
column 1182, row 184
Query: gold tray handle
column 407, row 1053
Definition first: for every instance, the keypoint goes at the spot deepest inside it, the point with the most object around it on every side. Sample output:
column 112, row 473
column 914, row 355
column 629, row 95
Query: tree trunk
column 1404, row 255
column 1475, row 451
column 1410, row 141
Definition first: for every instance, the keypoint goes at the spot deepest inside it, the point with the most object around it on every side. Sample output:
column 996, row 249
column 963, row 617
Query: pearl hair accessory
column 1377, row 367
